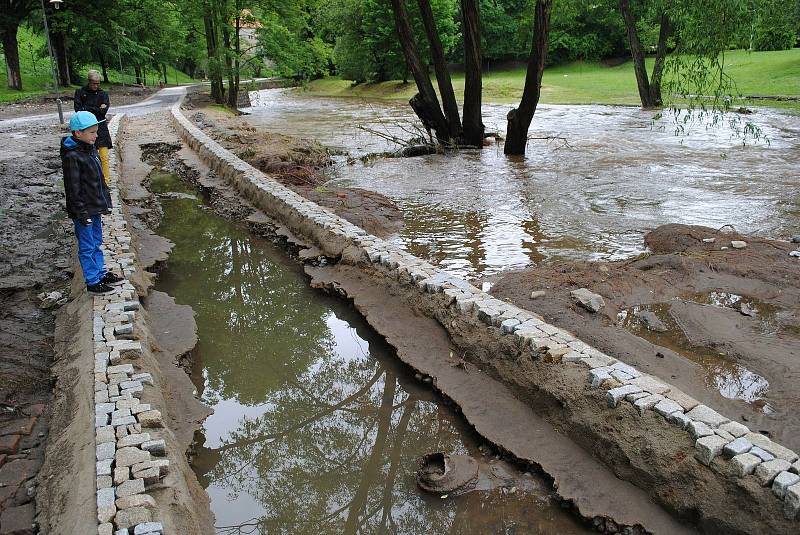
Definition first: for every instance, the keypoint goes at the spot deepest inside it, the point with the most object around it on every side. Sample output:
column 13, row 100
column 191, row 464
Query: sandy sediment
column 697, row 289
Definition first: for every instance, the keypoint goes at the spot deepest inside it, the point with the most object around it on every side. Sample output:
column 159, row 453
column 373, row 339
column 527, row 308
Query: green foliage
column 293, row 55
column 773, row 25
column 585, row 30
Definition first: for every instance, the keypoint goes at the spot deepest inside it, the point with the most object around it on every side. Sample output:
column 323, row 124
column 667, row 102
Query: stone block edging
column 130, row 456
column 714, row 435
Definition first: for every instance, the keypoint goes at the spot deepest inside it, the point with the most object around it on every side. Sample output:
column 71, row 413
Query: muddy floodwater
column 606, row 176
column 317, row 428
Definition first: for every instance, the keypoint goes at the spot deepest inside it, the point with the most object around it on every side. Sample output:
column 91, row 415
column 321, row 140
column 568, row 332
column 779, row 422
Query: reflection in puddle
column 316, row 427
column 732, row 380
column 746, row 305
column 479, row 212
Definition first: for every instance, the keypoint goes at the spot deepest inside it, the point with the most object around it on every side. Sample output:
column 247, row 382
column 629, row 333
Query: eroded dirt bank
column 722, row 325
column 297, row 163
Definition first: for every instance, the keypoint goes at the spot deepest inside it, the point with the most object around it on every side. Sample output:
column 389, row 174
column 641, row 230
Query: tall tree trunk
column 59, row 42
column 473, row 125
column 658, row 67
column 519, row 119
column 425, row 103
column 138, row 70
column 11, row 52
column 637, row 54
column 233, row 74
column 233, row 95
column 212, row 49
column 440, row 67
column 164, row 72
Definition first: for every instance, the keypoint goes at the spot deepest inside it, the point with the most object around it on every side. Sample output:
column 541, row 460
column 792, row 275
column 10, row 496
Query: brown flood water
column 317, row 428
column 618, row 175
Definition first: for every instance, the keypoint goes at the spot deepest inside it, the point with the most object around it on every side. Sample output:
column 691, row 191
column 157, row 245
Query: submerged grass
column 755, row 73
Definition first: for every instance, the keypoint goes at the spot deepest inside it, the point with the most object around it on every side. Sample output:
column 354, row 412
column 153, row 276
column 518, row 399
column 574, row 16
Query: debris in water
column 442, row 473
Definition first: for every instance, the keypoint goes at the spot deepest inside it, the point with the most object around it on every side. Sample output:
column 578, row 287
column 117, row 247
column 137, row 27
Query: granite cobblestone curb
column 716, row 438
column 129, row 453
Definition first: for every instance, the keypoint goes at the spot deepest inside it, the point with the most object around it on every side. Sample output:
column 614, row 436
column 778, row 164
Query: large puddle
column 591, row 195
column 317, row 428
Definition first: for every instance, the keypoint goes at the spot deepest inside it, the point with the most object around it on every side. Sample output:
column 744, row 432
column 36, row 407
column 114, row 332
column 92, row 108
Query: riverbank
column 771, row 74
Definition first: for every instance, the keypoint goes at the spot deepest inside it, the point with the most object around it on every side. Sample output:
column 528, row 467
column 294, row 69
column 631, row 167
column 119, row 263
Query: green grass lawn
column 755, row 73
column 38, row 80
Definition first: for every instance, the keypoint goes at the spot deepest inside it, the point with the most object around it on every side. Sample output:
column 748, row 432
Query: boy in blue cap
column 87, row 199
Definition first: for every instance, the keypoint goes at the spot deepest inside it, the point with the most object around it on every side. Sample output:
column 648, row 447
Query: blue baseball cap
column 82, row 120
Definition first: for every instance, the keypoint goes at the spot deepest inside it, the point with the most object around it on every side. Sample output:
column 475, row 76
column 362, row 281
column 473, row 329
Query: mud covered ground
column 722, row 325
column 297, row 163
column 36, row 253
column 35, row 249
column 119, row 96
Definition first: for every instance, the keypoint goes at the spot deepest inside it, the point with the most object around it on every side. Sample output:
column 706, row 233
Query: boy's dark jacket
column 87, row 194
column 89, row 100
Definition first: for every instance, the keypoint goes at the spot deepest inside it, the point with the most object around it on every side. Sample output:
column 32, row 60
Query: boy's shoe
column 111, row 278
column 99, row 288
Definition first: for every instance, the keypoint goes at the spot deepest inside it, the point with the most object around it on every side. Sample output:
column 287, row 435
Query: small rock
column 708, row 447
column 782, row 482
column 766, row 472
column 709, row 240
column 127, row 518
column 536, row 294
column 590, row 301
column 745, row 464
column 739, row 446
column 794, row 254
column 791, row 502
column 747, row 310
column 651, row 321
column 130, row 487
column 738, row 244
column 796, row 238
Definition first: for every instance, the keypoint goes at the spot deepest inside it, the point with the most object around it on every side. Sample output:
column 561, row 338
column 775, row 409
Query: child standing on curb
column 87, row 199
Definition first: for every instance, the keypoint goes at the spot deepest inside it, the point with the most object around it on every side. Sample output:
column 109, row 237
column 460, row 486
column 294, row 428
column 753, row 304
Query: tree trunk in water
column 519, row 119
column 440, row 67
column 473, row 125
column 11, row 52
column 425, row 103
column 59, row 42
column 658, row 67
column 637, row 54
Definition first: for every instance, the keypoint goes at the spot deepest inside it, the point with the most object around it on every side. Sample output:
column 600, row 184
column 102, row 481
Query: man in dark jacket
column 87, row 199
column 94, row 100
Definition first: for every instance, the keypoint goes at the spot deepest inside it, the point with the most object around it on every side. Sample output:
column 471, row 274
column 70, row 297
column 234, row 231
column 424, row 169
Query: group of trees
column 376, row 40
column 144, row 35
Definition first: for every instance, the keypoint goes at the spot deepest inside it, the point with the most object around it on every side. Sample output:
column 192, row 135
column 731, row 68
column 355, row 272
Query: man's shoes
column 111, row 278
column 99, row 288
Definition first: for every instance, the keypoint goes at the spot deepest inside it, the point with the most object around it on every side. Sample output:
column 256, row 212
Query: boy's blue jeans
column 90, row 253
